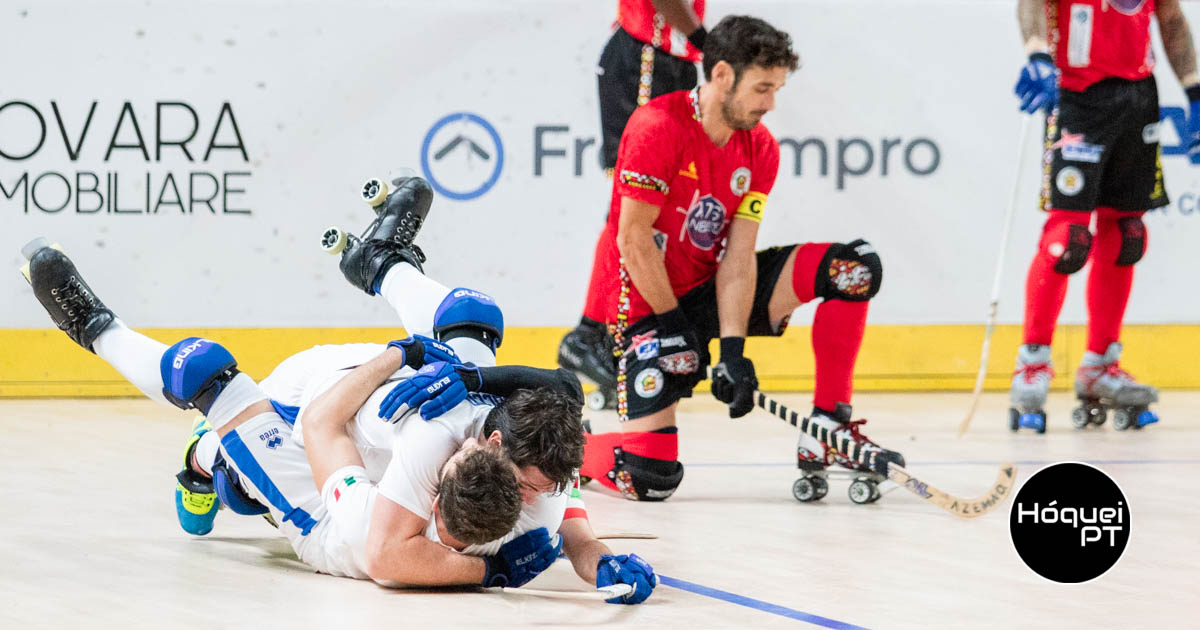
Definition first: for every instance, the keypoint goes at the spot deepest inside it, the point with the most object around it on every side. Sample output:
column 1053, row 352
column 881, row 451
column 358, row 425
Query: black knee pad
column 644, row 478
column 1133, row 240
column 1079, row 244
column 851, row 271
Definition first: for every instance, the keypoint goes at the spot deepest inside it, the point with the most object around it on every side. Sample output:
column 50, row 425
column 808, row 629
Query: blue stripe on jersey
column 251, row 471
column 287, row 412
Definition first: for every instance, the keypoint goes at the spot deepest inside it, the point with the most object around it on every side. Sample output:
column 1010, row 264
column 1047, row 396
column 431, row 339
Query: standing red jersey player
column 1102, row 158
column 652, row 51
column 693, row 173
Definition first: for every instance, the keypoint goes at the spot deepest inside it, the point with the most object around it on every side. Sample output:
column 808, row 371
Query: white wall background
column 327, row 94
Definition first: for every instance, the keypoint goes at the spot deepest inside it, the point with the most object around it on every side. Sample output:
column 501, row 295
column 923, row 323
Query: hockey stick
column 966, row 508
column 600, row 594
column 626, row 536
column 992, row 307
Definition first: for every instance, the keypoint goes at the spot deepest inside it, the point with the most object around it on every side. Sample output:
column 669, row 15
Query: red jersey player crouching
column 693, row 173
column 1091, row 67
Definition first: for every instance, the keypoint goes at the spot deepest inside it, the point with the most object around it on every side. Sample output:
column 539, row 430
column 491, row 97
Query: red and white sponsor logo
column 850, row 276
column 680, row 363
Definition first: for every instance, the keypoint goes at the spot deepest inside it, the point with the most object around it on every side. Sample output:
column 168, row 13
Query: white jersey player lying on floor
column 254, row 447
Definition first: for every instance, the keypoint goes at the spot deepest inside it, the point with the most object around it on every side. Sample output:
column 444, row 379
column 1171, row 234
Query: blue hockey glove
column 1037, row 87
column 522, row 559
column 630, row 570
column 1193, row 141
column 434, row 389
column 419, row 350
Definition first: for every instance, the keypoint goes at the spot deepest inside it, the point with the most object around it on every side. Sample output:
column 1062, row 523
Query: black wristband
column 732, row 347
column 471, row 376
column 1042, row 57
column 697, row 38
column 673, row 320
column 1193, row 93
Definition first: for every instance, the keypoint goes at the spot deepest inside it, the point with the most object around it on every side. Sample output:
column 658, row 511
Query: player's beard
column 734, row 117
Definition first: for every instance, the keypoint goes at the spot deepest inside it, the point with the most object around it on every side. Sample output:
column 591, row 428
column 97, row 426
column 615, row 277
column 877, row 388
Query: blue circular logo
column 466, row 152
column 705, row 221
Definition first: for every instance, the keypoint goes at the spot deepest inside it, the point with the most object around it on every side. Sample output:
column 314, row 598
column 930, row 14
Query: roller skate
column 832, row 438
column 60, row 288
column 588, row 351
column 1101, row 385
column 1030, row 383
column 400, row 212
column 196, row 501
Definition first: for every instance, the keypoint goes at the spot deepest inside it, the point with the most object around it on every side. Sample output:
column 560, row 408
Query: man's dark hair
column 480, row 499
column 743, row 41
column 541, row 428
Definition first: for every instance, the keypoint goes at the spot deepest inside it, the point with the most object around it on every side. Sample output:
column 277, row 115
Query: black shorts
column 619, row 73
column 649, row 388
column 1105, row 150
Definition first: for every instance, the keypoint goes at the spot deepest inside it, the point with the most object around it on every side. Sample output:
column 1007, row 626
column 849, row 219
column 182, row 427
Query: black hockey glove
column 734, row 382
column 677, row 343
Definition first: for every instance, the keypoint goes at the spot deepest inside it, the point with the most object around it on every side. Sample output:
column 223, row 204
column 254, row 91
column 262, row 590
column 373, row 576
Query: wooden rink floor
column 88, row 538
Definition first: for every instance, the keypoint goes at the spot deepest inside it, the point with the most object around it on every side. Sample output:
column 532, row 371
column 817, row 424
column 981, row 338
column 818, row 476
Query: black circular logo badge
column 1069, row 522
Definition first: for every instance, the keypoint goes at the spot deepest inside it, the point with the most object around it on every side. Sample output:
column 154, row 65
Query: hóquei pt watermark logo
column 1070, row 522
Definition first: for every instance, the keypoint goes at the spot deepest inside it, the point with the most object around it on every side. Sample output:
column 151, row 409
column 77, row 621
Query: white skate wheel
column 861, row 491
column 1122, row 419
column 804, row 490
column 596, row 399
column 33, row 246
column 333, row 241
column 374, row 192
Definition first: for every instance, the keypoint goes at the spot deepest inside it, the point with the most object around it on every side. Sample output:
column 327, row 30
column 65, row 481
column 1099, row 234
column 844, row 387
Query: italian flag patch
column 345, row 483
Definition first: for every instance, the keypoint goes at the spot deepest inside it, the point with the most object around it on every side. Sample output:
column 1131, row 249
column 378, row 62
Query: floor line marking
column 757, row 604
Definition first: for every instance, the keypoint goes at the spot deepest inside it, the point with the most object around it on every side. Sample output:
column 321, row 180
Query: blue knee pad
column 194, row 371
column 469, row 313
column 225, row 482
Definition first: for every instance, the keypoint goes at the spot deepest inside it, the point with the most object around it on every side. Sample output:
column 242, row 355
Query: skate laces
column 1032, row 371
column 73, row 295
column 1114, row 370
column 853, row 427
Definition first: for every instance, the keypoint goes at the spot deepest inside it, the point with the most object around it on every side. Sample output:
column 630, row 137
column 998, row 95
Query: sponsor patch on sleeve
column 752, row 207
column 645, row 182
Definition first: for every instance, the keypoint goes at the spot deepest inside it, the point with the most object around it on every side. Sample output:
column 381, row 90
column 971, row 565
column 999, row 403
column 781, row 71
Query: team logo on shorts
column 645, row 346
column 686, row 362
column 740, row 182
column 1075, row 149
column 1069, row 181
column 1150, row 133
column 649, row 383
column 850, row 276
column 705, row 221
column 1128, row 7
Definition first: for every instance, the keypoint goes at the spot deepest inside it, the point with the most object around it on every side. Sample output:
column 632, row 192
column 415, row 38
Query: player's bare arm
column 396, row 549
column 329, row 448
column 1177, row 41
column 680, row 15
column 1031, row 16
column 643, row 260
column 582, row 547
column 736, row 277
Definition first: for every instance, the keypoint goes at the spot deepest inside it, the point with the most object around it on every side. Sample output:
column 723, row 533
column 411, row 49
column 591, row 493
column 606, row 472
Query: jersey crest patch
column 739, row 183
column 705, row 221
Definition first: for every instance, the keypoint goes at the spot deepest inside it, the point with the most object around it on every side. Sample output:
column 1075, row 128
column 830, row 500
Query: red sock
column 598, row 456
column 804, row 272
column 1109, row 284
column 662, row 444
column 596, row 302
column 1045, row 288
column 837, row 334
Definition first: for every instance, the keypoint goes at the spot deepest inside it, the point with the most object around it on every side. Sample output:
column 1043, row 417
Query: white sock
column 414, row 296
column 206, row 451
column 135, row 356
column 238, row 394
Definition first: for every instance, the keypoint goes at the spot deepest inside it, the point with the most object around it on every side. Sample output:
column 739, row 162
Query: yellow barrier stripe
column 45, row 363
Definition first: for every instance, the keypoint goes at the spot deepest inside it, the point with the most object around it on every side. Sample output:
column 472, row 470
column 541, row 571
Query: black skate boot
column 588, row 351
column 389, row 238
column 62, row 291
